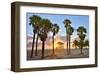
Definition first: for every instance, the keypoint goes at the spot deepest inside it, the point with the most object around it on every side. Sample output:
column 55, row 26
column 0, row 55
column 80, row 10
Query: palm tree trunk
column 53, row 44
column 33, row 45
column 43, row 47
column 81, row 46
column 36, row 44
column 69, row 45
column 81, row 51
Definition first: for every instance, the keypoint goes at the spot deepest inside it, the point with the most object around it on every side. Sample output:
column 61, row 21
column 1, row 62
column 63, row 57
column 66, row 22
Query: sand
column 75, row 53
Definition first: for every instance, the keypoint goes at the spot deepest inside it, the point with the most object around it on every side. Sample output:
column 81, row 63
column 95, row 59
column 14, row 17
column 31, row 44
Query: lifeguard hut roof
column 60, row 43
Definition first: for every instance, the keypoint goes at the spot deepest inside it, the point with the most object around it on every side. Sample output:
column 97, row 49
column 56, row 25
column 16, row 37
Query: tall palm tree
column 38, row 26
column 82, row 34
column 34, row 21
column 44, row 30
column 67, row 23
column 55, row 30
column 70, row 32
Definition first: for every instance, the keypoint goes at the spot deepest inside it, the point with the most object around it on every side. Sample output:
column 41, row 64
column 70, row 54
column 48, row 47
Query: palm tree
column 82, row 34
column 67, row 23
column 44, row 30
column 43, row 36
column 55, row 30
column 70, row 32
column 34, row 21
column 38, row 26
column 75, row 44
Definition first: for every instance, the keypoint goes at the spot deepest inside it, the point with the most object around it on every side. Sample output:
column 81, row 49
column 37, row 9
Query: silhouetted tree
column 86, row 43
column 55, row 30
column 82, row 34
column 75, row 43
column 34, row 21
column 44, row 30
column 69, row 32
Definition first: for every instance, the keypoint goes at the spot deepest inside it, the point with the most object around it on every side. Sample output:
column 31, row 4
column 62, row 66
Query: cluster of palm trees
column 69, row 32
column 41, row 28
column 82, row 42
column 81, row 32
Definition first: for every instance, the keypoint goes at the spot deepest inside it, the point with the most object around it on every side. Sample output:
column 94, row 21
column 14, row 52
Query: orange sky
column 48, row 43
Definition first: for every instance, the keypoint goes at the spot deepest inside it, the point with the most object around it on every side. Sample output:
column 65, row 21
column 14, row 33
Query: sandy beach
column 75, row 53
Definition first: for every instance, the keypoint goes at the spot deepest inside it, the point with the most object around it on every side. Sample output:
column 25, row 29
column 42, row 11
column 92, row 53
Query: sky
column 77, row 20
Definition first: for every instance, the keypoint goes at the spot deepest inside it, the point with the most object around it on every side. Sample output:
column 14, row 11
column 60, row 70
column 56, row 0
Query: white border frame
column 62, row 62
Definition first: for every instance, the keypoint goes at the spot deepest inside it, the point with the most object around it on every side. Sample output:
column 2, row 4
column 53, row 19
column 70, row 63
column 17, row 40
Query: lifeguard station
column 59, row 48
